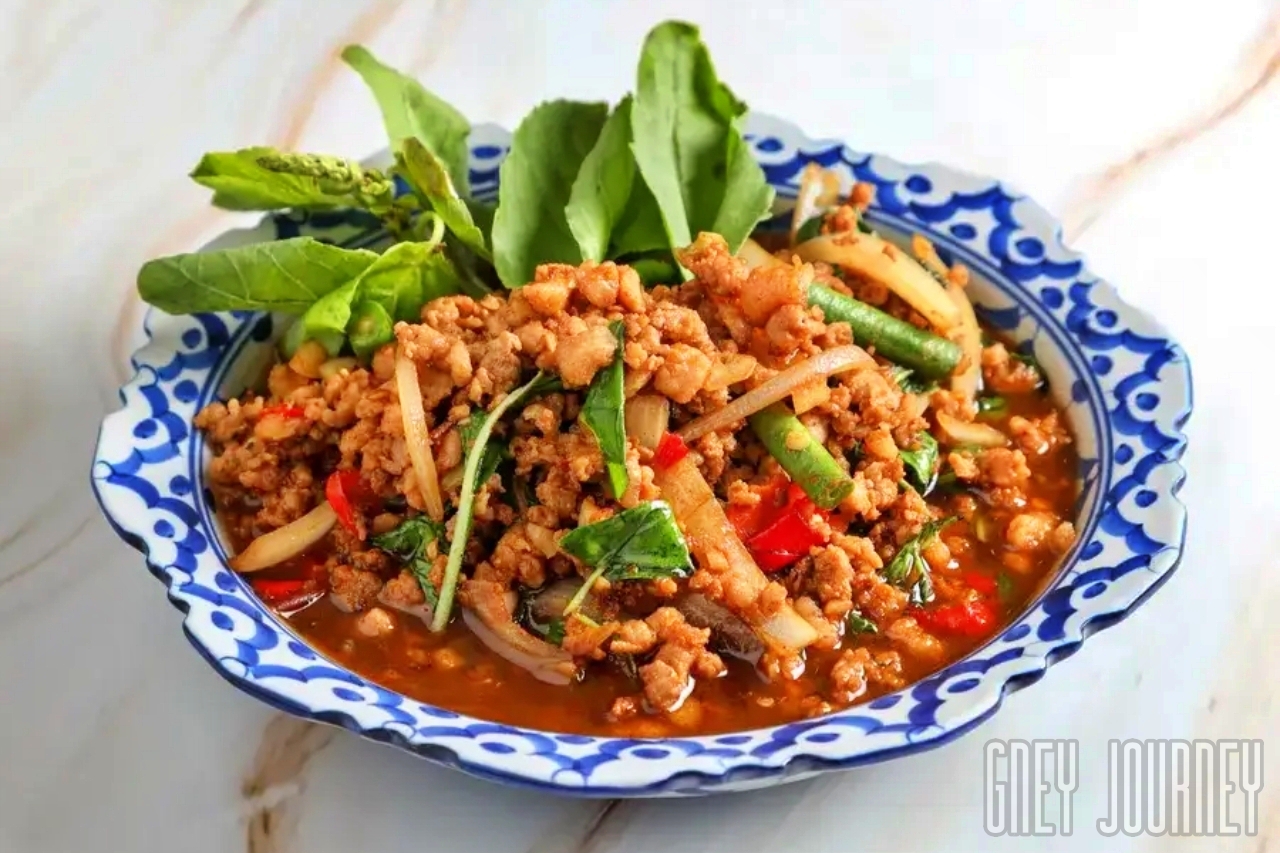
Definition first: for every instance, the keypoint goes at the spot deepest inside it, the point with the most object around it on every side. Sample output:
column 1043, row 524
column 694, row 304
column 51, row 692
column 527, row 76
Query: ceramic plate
column 1125, row 385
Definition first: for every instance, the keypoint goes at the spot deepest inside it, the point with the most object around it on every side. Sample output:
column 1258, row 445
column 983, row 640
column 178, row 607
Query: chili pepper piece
column 750, row 519
column 671, row 449
column 284, row 410
column 982, row 584
column 790, row 536
column 343, row 490
column 973, row 619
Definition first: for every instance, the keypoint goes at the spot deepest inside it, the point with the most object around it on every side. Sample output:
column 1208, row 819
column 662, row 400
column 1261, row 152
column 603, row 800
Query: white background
column 1151, row 128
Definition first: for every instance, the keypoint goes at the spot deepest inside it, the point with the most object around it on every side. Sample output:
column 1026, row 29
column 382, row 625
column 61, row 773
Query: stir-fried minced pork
column 638, row 660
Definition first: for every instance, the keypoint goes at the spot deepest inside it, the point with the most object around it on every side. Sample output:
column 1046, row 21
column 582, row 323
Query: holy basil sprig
column 641, row 543
column 539, row 384
column 603, row 414
column 908, row 569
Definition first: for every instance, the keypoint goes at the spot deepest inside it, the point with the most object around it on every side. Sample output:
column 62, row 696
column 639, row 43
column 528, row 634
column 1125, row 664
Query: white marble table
column 1151, row 127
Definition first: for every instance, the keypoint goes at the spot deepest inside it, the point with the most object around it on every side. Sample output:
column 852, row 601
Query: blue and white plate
column 1125, row 385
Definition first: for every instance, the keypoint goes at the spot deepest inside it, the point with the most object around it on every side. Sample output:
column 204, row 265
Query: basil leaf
column 688, row 145
column 641, row 543
column 284, row 275
column 535, row 182
column 429, row 177
column 240, row 181
column 639, row 230
column 656, row 270
column 992, row 405
column 410, row 111
column 406, row 276
column 812, row 227
column 371, row 327
column 909, row 382
column 908, row 569
column 398, row 283
column 422, row 573
column 922, row 463
column 326, row 320
column 602, row 414
column 410, row 538
column 856, row 623
column 408, row 541
column 603, row 186
column 747, row 199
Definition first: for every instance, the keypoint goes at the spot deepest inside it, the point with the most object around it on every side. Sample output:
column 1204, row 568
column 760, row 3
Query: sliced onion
column 958, row 432
column 647, row 416
column 416, row 437
column 870, row 256
column 754, row 255
column 833, row 361
column 493, row 624
column 819, row 189
column 734, row 368
column 289, row 541
column 811, row 395
column 420, row 611
column 966, row 382
column 708, row 530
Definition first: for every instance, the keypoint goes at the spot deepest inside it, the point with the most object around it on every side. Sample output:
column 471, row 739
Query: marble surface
column 1150, row 128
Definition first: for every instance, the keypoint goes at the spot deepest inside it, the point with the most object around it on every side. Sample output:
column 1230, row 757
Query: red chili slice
column 748, row 520
column 790, row 536
column 671, row 449
column 980, row 583
column 284, row 410
column 275, row 591
column 343, row 490
column 973, row 619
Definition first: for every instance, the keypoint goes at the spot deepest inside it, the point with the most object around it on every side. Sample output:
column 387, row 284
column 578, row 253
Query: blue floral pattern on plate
column 1125, row 384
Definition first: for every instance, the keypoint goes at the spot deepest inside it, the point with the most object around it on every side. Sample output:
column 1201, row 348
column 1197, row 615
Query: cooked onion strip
column 868, row 255
column 285, row 542
column 957, row 432
column 819, row 189
column 966, row 381
column 493, row 624
column 647, row 416
column 416, row 437
column 754, row 255
column 831, row 362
